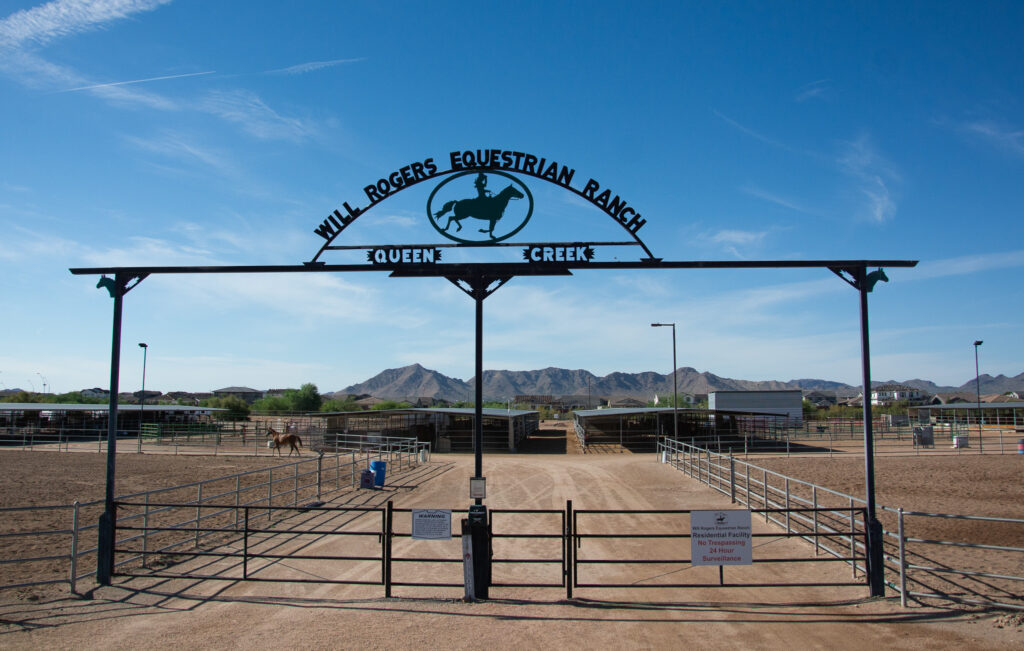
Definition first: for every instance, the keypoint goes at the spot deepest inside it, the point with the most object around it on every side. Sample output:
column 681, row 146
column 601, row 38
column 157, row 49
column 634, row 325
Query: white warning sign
column 720, row 538
column 431, row 524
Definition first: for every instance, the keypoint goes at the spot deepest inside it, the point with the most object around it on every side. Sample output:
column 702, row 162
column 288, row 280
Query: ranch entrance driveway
column 149, row 613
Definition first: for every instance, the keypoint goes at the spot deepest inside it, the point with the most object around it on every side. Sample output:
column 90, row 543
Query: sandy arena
column 150, row 613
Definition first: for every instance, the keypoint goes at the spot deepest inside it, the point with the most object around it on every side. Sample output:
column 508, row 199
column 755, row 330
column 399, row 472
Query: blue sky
column 143, row 132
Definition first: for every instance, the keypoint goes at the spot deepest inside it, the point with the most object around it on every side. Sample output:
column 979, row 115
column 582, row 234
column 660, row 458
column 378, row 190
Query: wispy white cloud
column 138, row 81
column 180, row 147
column 860, row 160
column 313, row 66
column 20, row 243
column 53, row 20
column 732, row 240
column 752, row 133
column 246, row 110
column 968, row 264
column 737, row 237
column 24, row 30
column 35, row 72
column 771, row 197
column 1002, row 136
column 815, row 90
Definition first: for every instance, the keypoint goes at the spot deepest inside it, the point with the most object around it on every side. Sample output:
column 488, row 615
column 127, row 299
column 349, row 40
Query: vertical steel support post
column 319, row 475
column 145, row 533
column 876, row 569
column 814, row 503
column 732, row 478
column 74, row 547
column 567, row 538
column 479, row 294
column 903, row 559
column 105, row 541
column 388, row 519
column 199, row 512
column 245, row 546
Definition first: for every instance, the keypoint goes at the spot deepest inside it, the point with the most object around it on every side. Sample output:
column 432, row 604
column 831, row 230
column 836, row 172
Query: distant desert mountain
column 997, row 384
column 416, row 381
column 412, row 382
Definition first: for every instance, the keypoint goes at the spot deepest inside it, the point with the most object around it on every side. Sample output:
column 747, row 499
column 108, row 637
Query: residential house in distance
column 951, row 398
column 245, row 393
column 626, row 402
column 1009, row 396
column 821, row 399
column 886, row 394
column 95, row 392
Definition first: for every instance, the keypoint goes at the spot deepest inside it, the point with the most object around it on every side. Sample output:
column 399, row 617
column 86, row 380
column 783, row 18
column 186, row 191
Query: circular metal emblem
column 480, row 206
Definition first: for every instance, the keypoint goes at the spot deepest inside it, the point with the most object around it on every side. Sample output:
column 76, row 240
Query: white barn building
column 788, row 403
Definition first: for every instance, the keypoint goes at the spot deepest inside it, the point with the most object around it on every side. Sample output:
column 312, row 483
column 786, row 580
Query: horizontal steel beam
column 499, row 268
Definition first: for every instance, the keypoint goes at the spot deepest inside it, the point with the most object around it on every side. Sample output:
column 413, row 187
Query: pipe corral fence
column 70, row 541
column 48, row 427
column 744, row 433
column 916, row 567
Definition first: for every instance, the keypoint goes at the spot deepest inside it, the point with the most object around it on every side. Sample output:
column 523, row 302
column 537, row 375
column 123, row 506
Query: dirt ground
column 151, row 613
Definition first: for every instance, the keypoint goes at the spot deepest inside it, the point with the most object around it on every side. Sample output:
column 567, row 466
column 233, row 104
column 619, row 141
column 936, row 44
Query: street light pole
column 675, row 381
column 977, row 388
column 142, row 403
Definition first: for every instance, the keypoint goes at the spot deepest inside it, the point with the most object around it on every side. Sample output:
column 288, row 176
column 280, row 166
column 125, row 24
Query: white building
column 886, row 394
column 781, row 403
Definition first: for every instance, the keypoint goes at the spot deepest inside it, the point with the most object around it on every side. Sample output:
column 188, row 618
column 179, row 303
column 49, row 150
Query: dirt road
column 174, row 614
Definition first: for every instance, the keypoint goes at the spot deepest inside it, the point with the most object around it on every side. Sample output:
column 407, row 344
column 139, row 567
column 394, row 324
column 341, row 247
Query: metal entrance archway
column 479, row 281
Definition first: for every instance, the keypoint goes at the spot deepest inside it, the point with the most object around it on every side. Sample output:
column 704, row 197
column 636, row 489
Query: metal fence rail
column 931, row 575
column 637, row 531
column 242, row 550
column 72, row 533
column 307, row 480
column 834, row 527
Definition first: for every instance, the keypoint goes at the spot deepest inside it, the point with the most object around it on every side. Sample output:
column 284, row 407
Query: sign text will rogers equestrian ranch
column 519, row 162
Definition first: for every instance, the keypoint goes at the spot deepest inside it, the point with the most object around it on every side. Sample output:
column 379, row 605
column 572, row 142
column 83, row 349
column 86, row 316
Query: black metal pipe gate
column 572, row 528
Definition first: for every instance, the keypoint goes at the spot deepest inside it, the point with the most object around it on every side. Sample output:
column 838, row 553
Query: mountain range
column 415, row 381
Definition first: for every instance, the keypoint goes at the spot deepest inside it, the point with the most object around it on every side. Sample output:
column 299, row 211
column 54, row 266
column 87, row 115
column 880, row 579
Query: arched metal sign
column 481, row 171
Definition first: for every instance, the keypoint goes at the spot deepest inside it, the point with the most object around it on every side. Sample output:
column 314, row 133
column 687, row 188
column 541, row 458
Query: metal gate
column 571, row 548
column 619, row 543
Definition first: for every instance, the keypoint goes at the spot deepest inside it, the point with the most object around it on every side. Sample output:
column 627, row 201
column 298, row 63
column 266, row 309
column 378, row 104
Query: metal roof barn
column 447, row 430
column 639, row 429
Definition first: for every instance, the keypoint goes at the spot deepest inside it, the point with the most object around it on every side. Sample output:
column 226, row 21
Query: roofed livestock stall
column 638, row 430
column 446, row 429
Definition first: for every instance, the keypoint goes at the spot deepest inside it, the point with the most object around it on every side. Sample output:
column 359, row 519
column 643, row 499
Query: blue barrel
column 378, row 468
column 1020, row 446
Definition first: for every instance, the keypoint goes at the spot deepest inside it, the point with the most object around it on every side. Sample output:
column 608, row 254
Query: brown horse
column 277, row 439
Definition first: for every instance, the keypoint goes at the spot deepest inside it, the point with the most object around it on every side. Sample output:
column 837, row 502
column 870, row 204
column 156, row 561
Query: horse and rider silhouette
column 484, row 206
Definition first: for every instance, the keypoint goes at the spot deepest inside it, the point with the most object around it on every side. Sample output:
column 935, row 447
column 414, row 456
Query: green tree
column 307, row 398
column 76, row 398
column 348, row 404
column 390, row 404
column 22, row 396
column 272, row 404
column 235, row 408
column 810, row 410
